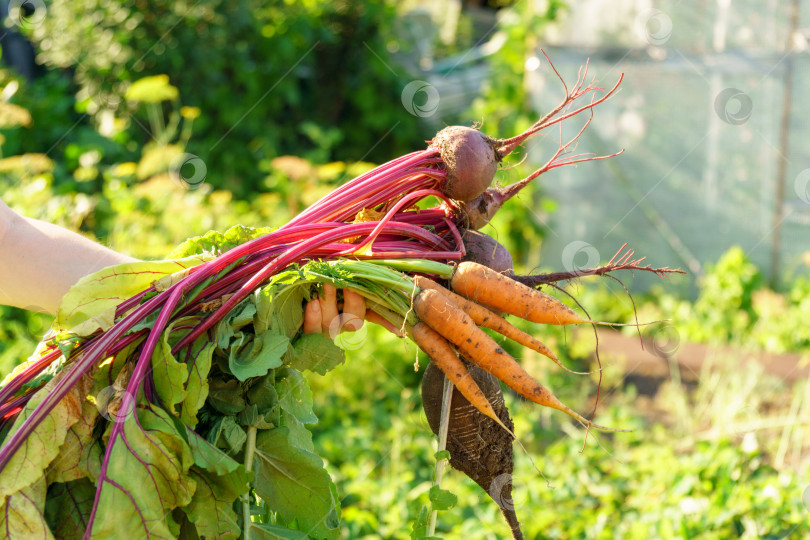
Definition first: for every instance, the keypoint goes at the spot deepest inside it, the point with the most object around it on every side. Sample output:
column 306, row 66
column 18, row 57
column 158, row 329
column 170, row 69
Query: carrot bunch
column 449, row 327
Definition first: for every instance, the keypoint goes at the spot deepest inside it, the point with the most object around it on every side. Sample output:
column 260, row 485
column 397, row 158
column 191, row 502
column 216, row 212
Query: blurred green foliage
column 504, row 103
column 505, row 109
column 270, row 78
column 734, row 306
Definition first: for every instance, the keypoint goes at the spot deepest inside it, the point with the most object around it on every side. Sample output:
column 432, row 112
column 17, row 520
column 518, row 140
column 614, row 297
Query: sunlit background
column 142, row 123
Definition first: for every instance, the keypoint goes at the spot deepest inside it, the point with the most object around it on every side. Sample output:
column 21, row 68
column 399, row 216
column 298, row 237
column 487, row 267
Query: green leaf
column 419, row 529
column 216, row 242
column 224, row 336
column 266, row 531
column 199, row 365
column 444, row 454
column 169, row 375
column 91, row 302
column 263, row 393
column 39, row 449
column 70, row 464
column 264, row 355
column 245, row 315
column 227, row 435
column 295, row 396
column 234, row 343
column 92, row 460
column 67, row 342
column 300, row 436
column 317, row 353
column 209, row 458
column 225, row 396
column 241, row 316
column 280, row 307
column 442, row 499
column 211, row 506
column 174, row 520
column 68, row 507
column 22, row 514
column 295, row 485
column 146, row 478
column 188, row 531
column 253, row 418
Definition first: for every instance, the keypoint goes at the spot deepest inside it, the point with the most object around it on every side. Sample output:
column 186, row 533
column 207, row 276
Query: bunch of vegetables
column 168, row 400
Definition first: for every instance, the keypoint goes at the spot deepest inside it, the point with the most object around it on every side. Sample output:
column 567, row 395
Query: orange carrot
column 477, row 347
column 446, row 359
column 488, row 319
column 497, row 291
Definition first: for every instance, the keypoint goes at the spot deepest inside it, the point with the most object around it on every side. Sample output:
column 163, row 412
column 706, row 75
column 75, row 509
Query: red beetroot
column 471, row 160
column 486, row 250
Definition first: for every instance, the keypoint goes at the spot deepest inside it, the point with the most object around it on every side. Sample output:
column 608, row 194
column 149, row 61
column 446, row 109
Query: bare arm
column 40, row 261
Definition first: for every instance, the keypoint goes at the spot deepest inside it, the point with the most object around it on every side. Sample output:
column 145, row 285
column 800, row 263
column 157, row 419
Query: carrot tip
column 576, row 372
column 584, row 421
column 603, row 428
column 605, row 323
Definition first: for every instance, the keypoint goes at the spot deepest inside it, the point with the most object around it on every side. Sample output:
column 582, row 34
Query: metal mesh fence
column 705, row 116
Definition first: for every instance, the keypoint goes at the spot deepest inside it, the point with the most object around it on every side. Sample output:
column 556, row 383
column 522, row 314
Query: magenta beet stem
column 97, row 349
column 387, row 196
column 28, row 374
column 95, row 352
column 420, row 194
column 20, row 402
column 133, row 388
column 430, row 216
column 290, row 256
column 348, row 203
column 371, row 177
column 456, row 235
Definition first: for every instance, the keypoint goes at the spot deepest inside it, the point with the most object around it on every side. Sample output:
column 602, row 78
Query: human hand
column 321, row 314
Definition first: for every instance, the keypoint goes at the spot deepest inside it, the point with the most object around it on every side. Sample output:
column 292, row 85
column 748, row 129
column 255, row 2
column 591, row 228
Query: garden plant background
column 146, row 122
